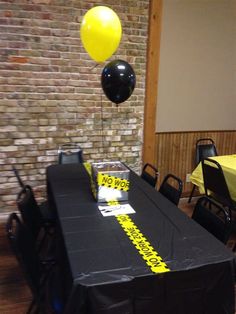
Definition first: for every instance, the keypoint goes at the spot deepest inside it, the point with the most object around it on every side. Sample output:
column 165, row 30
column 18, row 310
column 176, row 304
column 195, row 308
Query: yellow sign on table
column 228, row 164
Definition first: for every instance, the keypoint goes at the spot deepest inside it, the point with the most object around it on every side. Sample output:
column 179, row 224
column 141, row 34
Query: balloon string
column 102, row 128
column 94, row 66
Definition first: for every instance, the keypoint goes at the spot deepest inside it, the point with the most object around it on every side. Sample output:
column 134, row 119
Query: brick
column 46, row 16
column 7, row 13
column 45, row 159
column 31, row 7
column 25, row 141
column 51, row 54
column 18, row 59
column 40, row 32
column 41, row 1
column 8, row 148
column 20, row 45
column 8, row 128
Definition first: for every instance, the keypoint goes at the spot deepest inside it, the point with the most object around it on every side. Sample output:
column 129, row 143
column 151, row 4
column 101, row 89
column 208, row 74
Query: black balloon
column 118, row 81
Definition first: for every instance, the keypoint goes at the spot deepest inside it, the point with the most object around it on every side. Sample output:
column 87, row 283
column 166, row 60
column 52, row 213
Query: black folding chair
column 171, row 187
column 205, row 147
column 41, row 227
column 215, row 184
column 70, row 153
column 37, row 272
column 150, row 174
column 213, row 217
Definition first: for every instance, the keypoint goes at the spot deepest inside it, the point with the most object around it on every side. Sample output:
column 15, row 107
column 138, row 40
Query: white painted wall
column 197, row 74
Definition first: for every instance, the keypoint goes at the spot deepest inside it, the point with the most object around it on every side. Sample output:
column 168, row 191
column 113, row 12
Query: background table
column 104, row 273
column 228, row 164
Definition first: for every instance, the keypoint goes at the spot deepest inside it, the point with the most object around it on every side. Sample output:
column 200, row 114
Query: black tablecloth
column 105, row 272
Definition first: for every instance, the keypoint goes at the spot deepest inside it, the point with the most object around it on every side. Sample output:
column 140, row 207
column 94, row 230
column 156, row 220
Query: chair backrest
column 205, row 147
column 21, row 183
column 150, row 174
column 214, row 182
column 171, row 187
column 30, row 211
column 22, row 244
column 213, row 217
column 70, row 153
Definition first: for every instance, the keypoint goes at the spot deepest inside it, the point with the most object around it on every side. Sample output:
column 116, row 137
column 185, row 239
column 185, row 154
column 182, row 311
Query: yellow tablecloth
column 228, row 164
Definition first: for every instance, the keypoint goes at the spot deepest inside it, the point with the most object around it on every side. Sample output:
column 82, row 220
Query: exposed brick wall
column 50, row 91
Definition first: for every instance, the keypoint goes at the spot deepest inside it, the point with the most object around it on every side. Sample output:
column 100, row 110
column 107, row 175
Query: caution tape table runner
column 143, row 246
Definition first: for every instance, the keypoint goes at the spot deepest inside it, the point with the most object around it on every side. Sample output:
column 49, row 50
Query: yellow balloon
column 100, row 32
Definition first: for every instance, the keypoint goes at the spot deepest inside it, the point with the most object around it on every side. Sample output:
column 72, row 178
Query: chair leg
column 191, row 195
column 32, row 307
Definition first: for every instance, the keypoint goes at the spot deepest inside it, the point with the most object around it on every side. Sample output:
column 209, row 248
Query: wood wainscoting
column 175, row 152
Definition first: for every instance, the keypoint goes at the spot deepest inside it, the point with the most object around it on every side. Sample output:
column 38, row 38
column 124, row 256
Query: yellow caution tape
column 88, row 168
column 113, row 182
column 113, row 202
column 145, row 249
column 148, row 253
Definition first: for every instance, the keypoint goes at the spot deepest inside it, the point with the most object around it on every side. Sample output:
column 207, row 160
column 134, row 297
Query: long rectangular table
column 228, row 164
column 104, row 272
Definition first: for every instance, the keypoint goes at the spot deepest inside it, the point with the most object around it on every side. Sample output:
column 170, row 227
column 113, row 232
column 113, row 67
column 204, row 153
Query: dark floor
column 14, row 293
